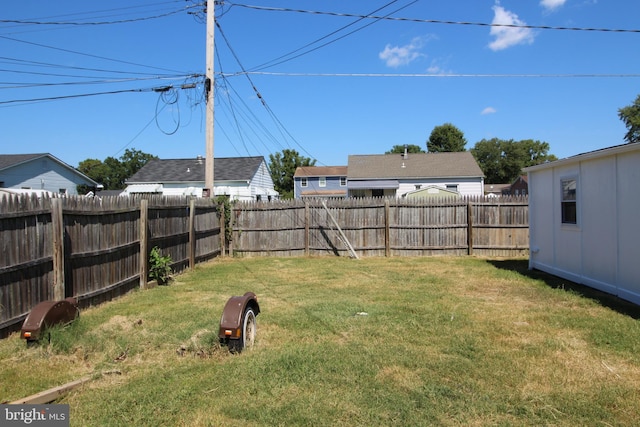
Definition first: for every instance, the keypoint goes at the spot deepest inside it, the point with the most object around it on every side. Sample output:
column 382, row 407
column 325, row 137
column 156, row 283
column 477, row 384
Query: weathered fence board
column 103, row 248
column 379, row 227
column 98, row 253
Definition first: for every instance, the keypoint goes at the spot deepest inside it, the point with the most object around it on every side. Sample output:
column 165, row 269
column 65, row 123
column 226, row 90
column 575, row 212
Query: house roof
column 418, row 165
column 11, row 160
column 603, row 152
column 495, row 188
column 192, row 170
column 306, row 171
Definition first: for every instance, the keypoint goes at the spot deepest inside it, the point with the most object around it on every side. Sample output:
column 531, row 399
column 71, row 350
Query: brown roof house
column 320, row 182
column 402, row 175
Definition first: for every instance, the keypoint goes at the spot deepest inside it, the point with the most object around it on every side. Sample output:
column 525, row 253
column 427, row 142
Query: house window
column 452, row 187
column 322, row 182
column 569, row 208
column 62, row 190
column 304, row 182
column 343, row 181
column 418, row 186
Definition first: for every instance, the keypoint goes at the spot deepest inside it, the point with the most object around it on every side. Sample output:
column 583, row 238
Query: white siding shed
column 584, row 214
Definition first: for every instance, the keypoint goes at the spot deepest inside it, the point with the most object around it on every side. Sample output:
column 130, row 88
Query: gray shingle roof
column 9, row 160
column 192, row 170
column 418, row 165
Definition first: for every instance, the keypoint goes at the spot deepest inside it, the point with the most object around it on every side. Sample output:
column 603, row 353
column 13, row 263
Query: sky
column 88, row 80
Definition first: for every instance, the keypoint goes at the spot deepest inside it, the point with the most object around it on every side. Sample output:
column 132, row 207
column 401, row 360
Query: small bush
column 159, row 266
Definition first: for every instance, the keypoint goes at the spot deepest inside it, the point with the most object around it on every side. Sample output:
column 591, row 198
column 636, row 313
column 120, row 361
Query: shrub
column 159, row 266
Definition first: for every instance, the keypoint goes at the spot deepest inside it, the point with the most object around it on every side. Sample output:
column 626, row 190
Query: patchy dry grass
column 412, row 341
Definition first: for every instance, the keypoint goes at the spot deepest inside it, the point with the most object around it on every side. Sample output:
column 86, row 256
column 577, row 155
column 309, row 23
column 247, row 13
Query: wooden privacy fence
column 95, row 249
column 382, row 227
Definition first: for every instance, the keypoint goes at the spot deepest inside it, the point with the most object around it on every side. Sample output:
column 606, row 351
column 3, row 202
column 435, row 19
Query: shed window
column 569, row 208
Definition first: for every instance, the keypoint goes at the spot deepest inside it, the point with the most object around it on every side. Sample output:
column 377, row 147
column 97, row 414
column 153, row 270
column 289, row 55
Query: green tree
column 282, row 166
column 399, row 149
column 112, row 172
column 447, row 138
column 502, row 161
column 630, row 115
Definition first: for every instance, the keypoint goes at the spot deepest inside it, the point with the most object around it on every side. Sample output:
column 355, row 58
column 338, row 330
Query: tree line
column 501, row 160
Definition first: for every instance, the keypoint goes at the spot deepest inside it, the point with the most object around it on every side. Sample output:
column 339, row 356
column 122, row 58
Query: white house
column 583, row 219
column 394, row 175
column 240, row 178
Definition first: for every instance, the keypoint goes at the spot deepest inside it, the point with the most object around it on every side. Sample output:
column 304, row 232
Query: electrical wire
column 437, row 21
column 28, row 63
column 87, row 54
column 279, row 124
column 444, row 75
column 281, row 59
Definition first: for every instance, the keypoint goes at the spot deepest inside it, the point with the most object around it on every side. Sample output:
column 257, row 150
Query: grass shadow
column 604, row 299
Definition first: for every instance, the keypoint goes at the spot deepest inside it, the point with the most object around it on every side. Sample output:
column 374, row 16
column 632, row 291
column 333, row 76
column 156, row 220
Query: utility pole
column 209, row 87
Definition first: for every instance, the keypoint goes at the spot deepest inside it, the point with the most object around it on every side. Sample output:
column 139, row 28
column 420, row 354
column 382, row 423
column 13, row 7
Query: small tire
column 248, row 333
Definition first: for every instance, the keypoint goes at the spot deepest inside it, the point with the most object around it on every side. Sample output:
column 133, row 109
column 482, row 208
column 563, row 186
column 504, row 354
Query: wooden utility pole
column 209, row 87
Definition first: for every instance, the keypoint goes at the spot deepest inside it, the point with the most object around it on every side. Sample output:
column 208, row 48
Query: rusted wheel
column 248, row 333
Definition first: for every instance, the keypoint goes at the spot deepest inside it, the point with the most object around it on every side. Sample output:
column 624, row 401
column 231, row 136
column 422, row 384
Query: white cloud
column 506, row 37
column 551, row 5
column 489, row 110
column 396, row 56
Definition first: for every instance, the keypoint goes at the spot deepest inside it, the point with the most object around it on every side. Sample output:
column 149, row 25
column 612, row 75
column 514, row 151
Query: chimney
column 406, row 154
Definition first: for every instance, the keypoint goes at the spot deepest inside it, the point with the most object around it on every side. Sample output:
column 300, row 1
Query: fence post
column 192, row 234
column 306, row 228
column 221, row 208
column 387, row 235
column 57, row 223
column 469, row 228
column 144, row 250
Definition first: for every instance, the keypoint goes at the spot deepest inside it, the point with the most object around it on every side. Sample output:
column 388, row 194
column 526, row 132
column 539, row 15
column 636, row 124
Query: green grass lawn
column 399, row 341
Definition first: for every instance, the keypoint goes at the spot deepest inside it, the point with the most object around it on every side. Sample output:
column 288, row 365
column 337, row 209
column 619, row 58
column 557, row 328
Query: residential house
column 394, row 175
column 519, row 187
column 320, row 182
column 41, row 173
column 496, row 190
column 240, row 178
column 583, row 219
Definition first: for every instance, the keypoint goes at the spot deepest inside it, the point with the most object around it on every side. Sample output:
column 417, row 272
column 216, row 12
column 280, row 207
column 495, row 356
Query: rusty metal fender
column 231, row 319
column 46, row 314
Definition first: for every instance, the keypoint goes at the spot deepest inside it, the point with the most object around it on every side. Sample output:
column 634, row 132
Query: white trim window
column 322, row 181
column 304, row 182
column 568, row 200
column 343, row 181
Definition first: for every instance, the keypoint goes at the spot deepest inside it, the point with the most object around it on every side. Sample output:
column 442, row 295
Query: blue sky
column 77, row 78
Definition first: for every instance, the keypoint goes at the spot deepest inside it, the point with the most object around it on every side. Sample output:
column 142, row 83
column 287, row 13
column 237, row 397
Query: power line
column 78, row 23
column 86, row 54
column 281, row 59
column 445, row 75
column 437, row 21
column 84, row 95
column 262, row 100
column 26, row 62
